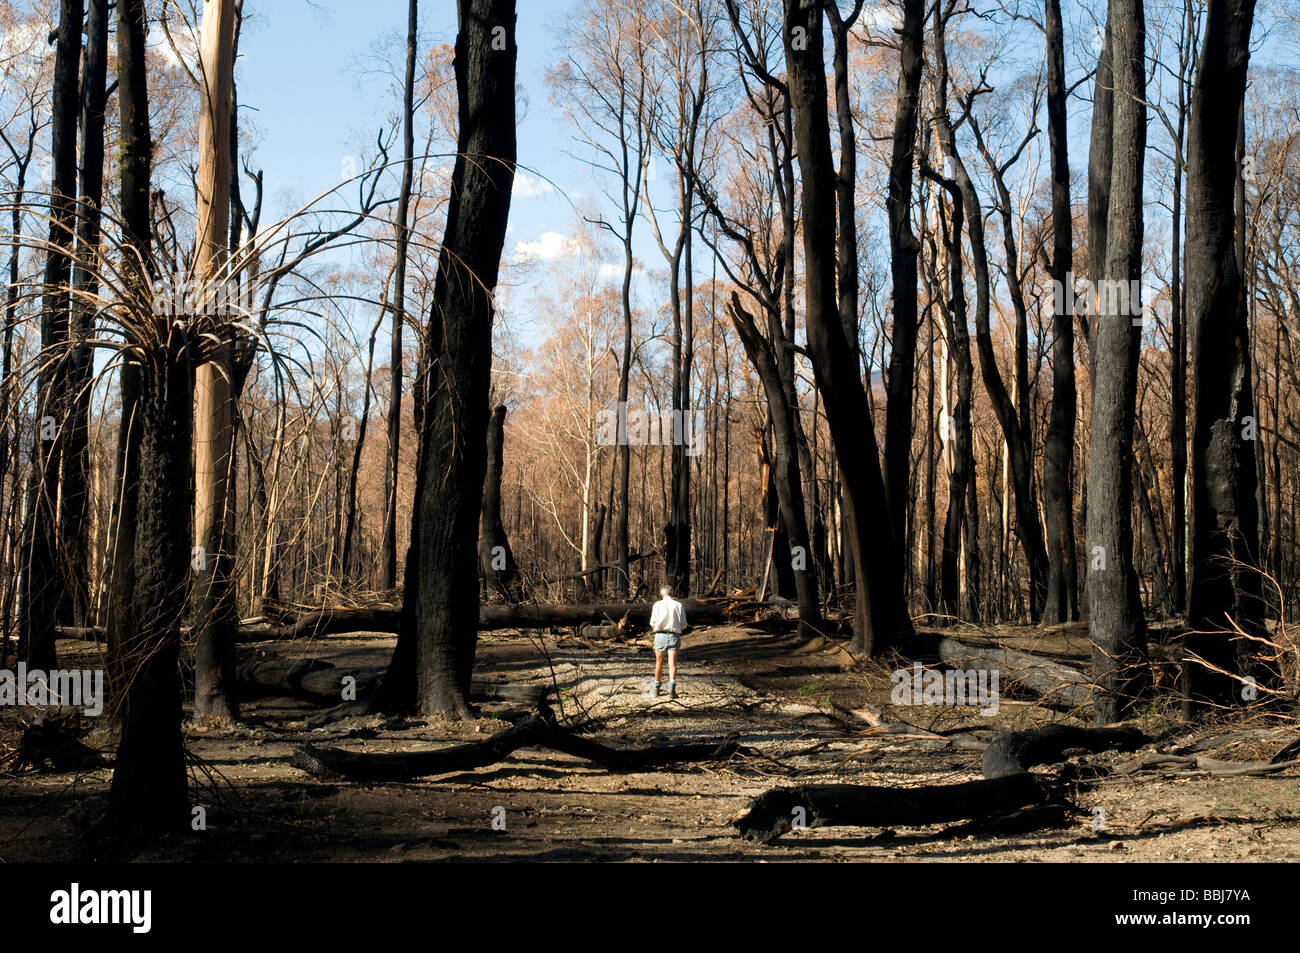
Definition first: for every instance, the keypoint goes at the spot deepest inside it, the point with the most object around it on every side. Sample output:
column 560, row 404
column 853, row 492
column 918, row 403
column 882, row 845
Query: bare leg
column 672, row 665
column 659, row 664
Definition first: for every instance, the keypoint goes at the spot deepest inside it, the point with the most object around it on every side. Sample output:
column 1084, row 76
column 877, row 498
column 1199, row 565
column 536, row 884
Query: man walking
column 668, row 620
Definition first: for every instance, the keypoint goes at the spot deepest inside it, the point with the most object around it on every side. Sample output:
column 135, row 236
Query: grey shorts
column 667, row 641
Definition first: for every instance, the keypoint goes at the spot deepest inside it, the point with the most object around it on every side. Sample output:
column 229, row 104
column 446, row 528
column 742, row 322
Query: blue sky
column 312, row 71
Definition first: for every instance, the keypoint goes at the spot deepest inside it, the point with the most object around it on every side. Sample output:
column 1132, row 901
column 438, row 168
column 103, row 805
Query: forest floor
column 783, row 697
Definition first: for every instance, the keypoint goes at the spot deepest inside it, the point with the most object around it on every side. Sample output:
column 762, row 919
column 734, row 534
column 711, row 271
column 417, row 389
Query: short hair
column 665, row 591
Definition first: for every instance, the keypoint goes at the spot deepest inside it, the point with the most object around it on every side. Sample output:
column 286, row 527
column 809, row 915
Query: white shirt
column 668, row 616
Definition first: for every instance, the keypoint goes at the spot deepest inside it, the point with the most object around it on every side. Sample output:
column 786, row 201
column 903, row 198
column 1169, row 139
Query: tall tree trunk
column 1058, row 455
column 1225, row 582
column 435, row 651
column 1178, row 332
column 149, row 789
column 903, row 251
column 74, row 499
column 881, row 620
column 215, row 614
column 955, row 429
column 1100, row 147
column 388, row 547
column 134, row 161
column 42, row 576
column 1117, row 627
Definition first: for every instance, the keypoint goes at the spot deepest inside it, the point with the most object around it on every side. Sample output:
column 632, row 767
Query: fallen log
column 1200, row 764
column 778, row 810
column 1015, row 752
column 1051, row 681
column 532, row 732
column 535, row 616
column 334, row 621
column 516, row 616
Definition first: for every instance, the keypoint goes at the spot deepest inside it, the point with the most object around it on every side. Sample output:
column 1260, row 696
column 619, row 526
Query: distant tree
column 388, row 546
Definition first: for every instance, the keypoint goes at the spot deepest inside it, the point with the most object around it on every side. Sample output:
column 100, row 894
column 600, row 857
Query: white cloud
column 551, row 245
column 612, row 269
column 881, row 18
column 528, row 187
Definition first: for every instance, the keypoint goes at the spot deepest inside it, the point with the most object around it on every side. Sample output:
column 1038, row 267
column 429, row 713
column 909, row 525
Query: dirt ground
column 787, row 699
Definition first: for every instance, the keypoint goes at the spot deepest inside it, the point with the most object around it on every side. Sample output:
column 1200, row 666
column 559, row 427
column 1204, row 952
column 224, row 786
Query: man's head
column 665, row 592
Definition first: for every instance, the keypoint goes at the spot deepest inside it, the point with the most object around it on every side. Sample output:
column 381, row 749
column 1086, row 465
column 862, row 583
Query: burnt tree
column 496, row 560
column 1118, row 628
column 435, row 652
column 1225, row 583
column 881, row 620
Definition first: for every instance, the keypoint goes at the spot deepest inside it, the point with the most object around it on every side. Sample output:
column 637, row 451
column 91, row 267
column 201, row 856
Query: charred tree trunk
column 785, row 462
column 881, row 619
column 495, row 558
column 1058, row 456
column 956, row 429
column 43, row 577
column 74, row 501
column 903, row 251
column 135, row 158
column 1225, row 581
column 1117, row 626
column 149, row 788
column 778, row 571
column 435, row 653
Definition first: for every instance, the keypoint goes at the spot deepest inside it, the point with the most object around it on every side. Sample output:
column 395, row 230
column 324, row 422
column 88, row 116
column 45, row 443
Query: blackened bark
column 1178, row 329
column 1099, row 156
column 42, row 576
column 957, row 428
column 1116, row 623
column 435, row 653
column 74, row 501
column 1225, row 582
column 1058, row 457
column 134, row 161
column 778, row 571
column 881, row 619
column 785, row 462
column 149, row 788
column 1015, row 421
column 495, row 558
column 903, row 251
